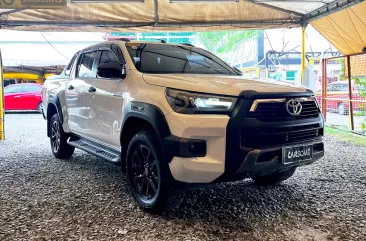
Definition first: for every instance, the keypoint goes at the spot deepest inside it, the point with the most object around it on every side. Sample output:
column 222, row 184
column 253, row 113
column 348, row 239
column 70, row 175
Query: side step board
column 96, row 149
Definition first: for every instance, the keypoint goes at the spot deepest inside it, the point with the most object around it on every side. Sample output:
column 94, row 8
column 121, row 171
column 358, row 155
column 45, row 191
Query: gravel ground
column 85, row 198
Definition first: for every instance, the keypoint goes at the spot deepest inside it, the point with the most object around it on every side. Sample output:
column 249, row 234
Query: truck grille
column 279, row 136
column 269, row 112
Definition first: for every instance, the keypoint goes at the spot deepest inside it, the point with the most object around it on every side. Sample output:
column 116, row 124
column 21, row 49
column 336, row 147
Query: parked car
column 174, row 115
column 339, row 94
column 20, row 97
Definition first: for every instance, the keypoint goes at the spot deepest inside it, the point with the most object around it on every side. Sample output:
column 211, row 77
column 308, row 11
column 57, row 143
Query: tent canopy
column 327, row 17
column 170, row 15
column 345, row 29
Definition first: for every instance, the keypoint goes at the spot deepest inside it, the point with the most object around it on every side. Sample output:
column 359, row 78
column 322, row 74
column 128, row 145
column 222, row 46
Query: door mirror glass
column 111, row 70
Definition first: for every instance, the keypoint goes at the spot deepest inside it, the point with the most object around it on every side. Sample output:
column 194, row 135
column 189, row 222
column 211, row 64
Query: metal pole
column 303, row 59
column 2, row 119
column 350, row 91
column 324, row 88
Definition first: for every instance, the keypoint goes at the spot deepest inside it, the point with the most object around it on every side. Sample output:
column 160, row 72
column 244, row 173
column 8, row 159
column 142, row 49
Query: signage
column 21, row 4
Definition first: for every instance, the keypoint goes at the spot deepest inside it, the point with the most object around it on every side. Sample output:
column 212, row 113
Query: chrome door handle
column 92, row 89
column 17, row 96
column 70, row 87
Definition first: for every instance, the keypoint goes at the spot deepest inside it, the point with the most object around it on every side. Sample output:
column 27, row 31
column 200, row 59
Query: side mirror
column 111, row 70
column 67, row 72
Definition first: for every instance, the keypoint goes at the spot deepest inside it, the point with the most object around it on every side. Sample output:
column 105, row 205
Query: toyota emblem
column 294, row 107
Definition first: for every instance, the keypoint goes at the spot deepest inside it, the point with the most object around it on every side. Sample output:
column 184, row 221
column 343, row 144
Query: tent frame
column 296, row 18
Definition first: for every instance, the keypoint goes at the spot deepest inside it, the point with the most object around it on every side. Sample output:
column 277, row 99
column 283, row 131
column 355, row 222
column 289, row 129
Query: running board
column 95, row 149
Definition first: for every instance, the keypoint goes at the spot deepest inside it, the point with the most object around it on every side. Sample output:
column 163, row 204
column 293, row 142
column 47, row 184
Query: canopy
column 345, row 29
column 170, row 15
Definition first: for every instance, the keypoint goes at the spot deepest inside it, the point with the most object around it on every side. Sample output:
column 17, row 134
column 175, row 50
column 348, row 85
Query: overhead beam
column 260, row 3
column 278, row 22
column 329, row 8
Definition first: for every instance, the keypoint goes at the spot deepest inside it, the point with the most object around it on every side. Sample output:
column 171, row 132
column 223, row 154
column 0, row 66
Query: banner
column 2, row 119
column 22, row 4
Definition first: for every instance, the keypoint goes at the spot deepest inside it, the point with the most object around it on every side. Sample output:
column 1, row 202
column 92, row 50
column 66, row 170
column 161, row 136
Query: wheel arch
column 53, row 107
column 140, row 116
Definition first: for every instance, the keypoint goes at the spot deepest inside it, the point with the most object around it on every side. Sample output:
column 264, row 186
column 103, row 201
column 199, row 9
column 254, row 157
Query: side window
column 344, row 87
column 32, row 88
column 13, row 89
column 109, row 66
column 86, row 65
column 330, row 88
column 108, row 57
column 337, row 87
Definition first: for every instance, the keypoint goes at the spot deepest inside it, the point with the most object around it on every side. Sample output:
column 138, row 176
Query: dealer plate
column 297, row 153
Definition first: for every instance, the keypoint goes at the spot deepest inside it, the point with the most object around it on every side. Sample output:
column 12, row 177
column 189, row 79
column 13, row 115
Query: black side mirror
column 111, row 70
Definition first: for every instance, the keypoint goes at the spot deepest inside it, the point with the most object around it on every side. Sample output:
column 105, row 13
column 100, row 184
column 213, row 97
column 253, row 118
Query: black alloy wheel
column 55, row 136
column 145, row 173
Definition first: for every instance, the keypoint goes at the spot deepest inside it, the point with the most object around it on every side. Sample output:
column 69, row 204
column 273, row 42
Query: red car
column 339, row 96
column 23, row 97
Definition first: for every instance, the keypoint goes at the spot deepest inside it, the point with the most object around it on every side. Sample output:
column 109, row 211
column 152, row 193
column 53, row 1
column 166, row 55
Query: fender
column 150, row 113
column 54, row 100
column 172, row 145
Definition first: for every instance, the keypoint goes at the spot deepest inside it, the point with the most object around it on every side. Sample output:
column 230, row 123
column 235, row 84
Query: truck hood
column 224, row 85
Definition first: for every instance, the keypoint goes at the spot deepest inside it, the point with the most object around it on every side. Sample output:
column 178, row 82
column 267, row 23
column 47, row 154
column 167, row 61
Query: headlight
column 196, row 103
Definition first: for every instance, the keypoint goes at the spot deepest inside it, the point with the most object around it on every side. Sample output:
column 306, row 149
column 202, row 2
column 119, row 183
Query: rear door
column 105, row 104
column 31, row 97
column 76, row 91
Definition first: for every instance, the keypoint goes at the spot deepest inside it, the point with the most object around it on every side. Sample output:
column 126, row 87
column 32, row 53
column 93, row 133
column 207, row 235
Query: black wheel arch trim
column 55, row 101
column 172, row 145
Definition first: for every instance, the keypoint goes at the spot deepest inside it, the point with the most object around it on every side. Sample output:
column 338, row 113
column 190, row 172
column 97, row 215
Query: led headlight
column 196, row 103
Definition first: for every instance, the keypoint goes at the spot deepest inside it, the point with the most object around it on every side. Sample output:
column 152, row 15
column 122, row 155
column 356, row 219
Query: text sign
column 20, row 4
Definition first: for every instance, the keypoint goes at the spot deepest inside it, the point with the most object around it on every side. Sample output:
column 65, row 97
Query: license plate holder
column 298, row 153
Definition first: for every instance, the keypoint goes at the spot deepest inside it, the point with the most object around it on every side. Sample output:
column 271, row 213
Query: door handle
column 92, row 89
column 70, row 87
column 17, row 96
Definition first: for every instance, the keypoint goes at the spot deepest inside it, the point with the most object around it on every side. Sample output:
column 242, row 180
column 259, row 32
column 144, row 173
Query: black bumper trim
column 183, row 147
column 253, row 164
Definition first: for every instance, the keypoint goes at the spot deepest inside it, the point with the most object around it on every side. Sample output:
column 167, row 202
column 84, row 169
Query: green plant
column 226, row 41
column 360, row 83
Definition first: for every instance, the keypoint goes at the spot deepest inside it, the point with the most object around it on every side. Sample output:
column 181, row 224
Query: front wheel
column 147, row 174
column 58, row 140
column 274, row 178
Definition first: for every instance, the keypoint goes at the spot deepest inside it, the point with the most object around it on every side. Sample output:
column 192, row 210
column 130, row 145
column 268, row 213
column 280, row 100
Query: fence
column 341, row 90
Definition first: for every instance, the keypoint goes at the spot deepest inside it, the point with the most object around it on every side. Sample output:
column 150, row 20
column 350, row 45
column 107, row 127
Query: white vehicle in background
column 174, row 115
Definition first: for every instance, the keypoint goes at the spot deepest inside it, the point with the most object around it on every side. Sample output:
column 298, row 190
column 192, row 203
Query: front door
column 77, row 91
column 12, row 97
column 105, row 103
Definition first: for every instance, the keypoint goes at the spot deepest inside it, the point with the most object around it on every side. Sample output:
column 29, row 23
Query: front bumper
column 238, row 147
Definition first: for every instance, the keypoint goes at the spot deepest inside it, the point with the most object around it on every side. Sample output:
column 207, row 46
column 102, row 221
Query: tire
column 58, row 139
column 274, row 178
column 147, row 175
column 342, row 110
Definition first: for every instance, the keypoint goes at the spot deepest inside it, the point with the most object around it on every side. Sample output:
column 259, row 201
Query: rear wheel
column 58, row 139
column 147, row 175
column 274, row 178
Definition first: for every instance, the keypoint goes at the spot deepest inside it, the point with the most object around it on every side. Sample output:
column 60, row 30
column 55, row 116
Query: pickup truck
column 174, row 115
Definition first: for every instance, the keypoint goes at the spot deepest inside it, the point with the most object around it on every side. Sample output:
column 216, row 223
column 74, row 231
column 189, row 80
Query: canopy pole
column 2, row 119
column 303, row 53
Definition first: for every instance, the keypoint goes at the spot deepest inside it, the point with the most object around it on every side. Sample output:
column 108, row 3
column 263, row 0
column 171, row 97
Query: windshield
column 168, row 59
